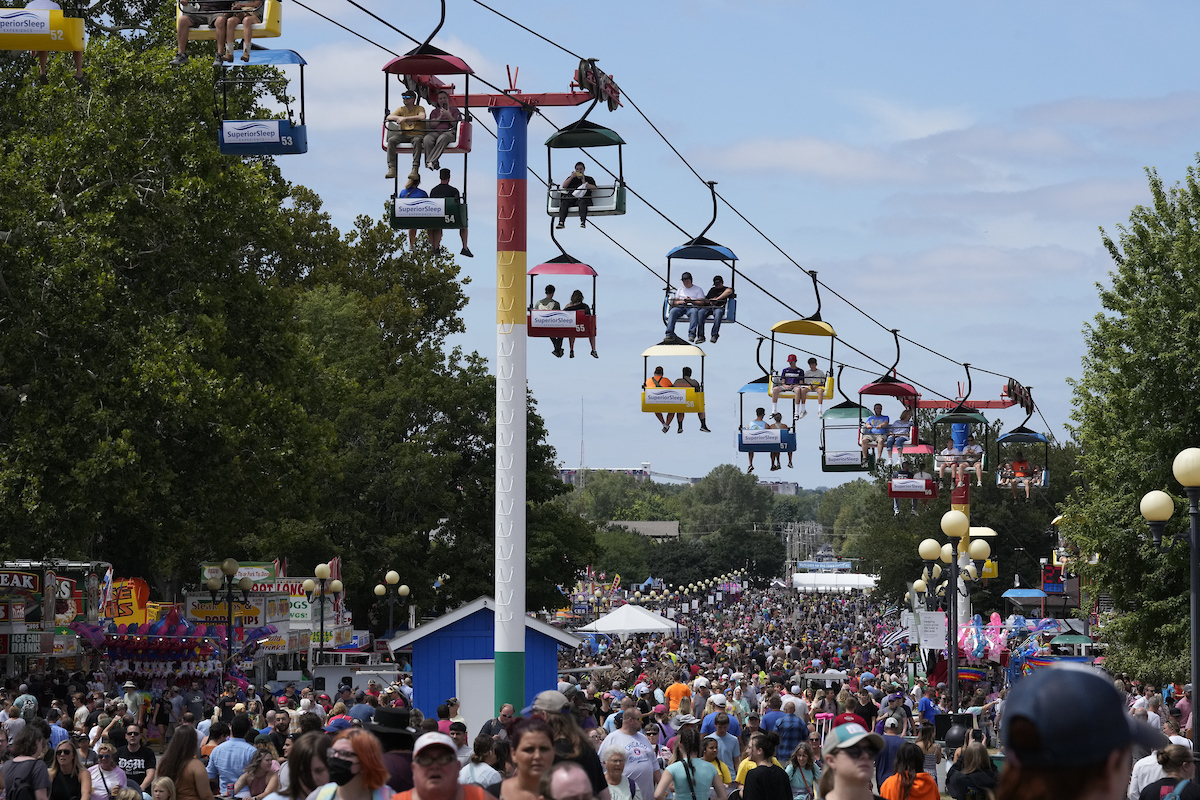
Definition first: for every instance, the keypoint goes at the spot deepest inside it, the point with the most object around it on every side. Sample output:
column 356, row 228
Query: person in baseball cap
column 789, row 376
column 849, row 752
column 1066, row 735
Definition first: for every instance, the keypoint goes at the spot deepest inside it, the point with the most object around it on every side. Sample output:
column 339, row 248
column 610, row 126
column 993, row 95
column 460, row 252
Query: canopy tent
column 832, row 581
column 628, row 619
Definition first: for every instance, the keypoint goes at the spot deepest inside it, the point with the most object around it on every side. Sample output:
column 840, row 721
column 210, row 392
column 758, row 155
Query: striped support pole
column 511, row 128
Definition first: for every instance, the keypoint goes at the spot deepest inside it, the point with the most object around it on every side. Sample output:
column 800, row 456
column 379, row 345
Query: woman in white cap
column 849, row 753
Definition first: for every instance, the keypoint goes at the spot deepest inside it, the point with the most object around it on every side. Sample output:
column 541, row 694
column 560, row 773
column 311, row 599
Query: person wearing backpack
column 1180, row 770
column 26, row 776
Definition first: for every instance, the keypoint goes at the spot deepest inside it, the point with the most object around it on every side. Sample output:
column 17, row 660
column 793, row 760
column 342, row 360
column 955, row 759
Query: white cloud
column 900, row 122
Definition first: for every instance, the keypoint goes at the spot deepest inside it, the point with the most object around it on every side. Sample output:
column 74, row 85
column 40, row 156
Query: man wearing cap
column 791, row 378
column 435, row 772
column 898, row 711
column 684, row 303
column 715, row 307
column 701, row 691
column 844, row 737
column 362, row 710
column 709, row 725
column 885, row 764
column 406, row 126
column 1070, row 719
column 641, row 760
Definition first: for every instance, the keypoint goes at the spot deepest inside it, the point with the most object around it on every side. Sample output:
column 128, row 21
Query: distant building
column 575, row 477
column 659, row 531
column 781, row 487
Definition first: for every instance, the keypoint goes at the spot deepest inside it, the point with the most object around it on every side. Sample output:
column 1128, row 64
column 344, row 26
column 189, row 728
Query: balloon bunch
column 979, row 641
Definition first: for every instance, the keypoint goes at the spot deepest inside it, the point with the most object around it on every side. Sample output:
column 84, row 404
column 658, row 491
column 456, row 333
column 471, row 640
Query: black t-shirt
column 715, row 292
column 767, row 782
column 1162, row 788
column 868, row 711
column 136, row 765
column 443, row 190
column 226, row 702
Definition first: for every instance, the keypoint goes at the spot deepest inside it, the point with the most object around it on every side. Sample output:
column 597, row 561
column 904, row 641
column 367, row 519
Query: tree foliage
column 1135, row 409
column 195, row 363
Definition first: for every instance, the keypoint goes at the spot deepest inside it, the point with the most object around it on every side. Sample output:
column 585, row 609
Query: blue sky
column 944, row 166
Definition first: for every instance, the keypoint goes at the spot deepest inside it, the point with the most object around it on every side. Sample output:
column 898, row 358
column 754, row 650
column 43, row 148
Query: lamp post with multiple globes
column 227, row 581
column 1157, row 507
column 383, row 590
column 318, row 590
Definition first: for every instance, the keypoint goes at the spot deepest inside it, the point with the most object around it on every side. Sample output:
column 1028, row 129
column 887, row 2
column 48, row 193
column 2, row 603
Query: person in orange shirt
column 657, row 379
column 676, row 692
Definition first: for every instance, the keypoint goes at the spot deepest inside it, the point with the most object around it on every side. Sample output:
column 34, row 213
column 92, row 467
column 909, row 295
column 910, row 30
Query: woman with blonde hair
column 260, row 777
column 68, row 779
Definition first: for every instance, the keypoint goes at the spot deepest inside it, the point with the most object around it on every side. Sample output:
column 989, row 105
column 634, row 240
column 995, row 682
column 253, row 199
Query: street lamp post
column 381, row 590
column 1157, row 507
column 317, row 590
column 955, row 525
column 229, row 570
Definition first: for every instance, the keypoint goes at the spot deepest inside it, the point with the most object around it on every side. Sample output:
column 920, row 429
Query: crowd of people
column 766, row 696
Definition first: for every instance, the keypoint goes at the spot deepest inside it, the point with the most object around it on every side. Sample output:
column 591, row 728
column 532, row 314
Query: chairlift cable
column 692, row 169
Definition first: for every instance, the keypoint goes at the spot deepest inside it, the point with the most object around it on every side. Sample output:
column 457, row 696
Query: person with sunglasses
column 136, row 761
column 849, row 754
column 106, row 776
column 436, row 770
column 68, row 779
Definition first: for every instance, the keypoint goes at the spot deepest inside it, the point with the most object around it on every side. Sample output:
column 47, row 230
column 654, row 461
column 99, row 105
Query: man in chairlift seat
column 973, row 458
column 685, row 381
column 577, row 192
column 789, row 377
column 1022, row 473
column 779, row 424
column 440, row 130
column 407, row 126
column 686, row 296
column 715, row 299
column 444, row 189
column 950, row 457
column 657, row 380
column 758, row 424
column 813, row 376
column 875, row 431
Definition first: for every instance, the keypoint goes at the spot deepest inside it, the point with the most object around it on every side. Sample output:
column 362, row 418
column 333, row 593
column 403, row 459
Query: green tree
column 158, row 384
column 725, row 497
column 623, row 552
column 1135, row 410
column 800, row 507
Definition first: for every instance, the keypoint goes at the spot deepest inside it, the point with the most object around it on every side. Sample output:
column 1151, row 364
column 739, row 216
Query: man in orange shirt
column 676, row 692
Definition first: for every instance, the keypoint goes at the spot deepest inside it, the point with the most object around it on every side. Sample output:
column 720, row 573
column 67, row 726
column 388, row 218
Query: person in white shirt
column 814, row 380
column 685, row 302
column 973, row 453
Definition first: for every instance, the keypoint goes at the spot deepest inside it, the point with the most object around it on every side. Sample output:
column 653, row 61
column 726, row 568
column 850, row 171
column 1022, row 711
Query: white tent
column 832, row 581
column 628, row 619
